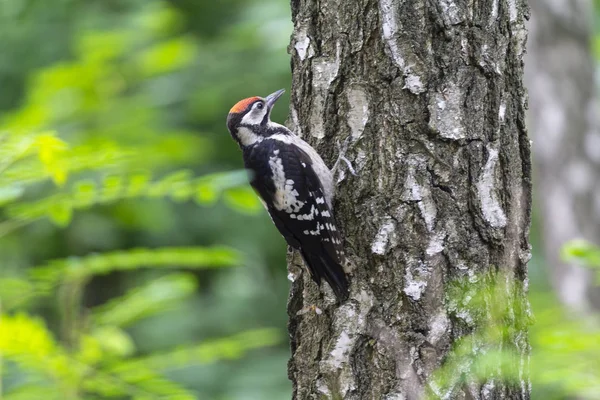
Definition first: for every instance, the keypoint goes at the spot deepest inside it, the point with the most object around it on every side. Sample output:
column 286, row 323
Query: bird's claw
column 342, row 148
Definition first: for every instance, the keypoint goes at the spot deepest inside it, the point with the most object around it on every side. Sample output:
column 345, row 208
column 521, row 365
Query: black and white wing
column 293, row 194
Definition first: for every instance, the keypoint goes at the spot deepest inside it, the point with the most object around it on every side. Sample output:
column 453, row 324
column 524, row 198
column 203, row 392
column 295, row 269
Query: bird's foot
column 342, row 148
column 310, row 308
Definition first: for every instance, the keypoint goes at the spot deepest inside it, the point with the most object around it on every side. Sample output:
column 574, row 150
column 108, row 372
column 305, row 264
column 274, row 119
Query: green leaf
column 179, row 186
column 168, row 56
column 60, row 213
column 582, row 252
column 114, row 340
column 84, row 193
column 162, row 21
column 242, row 199
column 14, row 292
column 51, row 154
column 139, row 383
column 76, row 268
column 596, row 46
column 209, row 351
column 206, row 193
column 29, row 392
column 113, row 186
column 8, row 194
column 154, row 297
column 26, row 341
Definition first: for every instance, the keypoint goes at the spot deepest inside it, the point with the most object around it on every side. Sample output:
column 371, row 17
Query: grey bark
column 565, row 128
column 430, row 93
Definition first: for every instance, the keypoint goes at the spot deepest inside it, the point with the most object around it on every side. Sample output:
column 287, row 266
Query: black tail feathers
column 324, row 267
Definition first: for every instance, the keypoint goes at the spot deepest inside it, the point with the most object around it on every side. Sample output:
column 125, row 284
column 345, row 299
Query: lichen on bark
column 430, row 93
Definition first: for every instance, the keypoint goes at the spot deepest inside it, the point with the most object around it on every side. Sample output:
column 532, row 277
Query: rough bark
column 430, row 93
column 565, row 127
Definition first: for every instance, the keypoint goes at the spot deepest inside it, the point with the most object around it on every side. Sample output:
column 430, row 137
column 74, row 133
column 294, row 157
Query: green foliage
column 566, row 352
column 92, row 369
column 110, row 132
column 179, row 186
column 226, row 348
column 582, row 252
column 154, row 297
column 565, row 347
column 496, row 306
column 75, row 269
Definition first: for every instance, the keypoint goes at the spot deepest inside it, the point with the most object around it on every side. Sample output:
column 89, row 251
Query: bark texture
column 564, row 121
column 430, row 93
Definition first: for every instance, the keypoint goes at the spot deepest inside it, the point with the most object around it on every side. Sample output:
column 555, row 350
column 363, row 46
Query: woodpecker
column 295, row 186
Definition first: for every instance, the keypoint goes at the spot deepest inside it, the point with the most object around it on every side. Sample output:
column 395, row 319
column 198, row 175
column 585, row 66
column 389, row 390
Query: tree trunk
column 430, row 93
column 565, row 128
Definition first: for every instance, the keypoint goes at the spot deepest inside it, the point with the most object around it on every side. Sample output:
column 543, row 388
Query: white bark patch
column 350, row 323
column 436, row 243
column 302, row 46
column 358, row 114
column 502, row 112
column 386, row 232
column 520, row 40
column 490, row 204
column 513, row 12
column 446, row 111
column 415, row 191
column 451, row 12
column 390, row 28
column 415, row 280
column 438, row 327
column 322, row 388
column 494, row 13
column 394, row 396
column 487, row 391
column 342, row 347
column 324, row 72
column 296, row 128
column 413, row 82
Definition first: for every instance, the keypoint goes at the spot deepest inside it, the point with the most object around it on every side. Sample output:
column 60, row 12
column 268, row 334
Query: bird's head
column 249, row 120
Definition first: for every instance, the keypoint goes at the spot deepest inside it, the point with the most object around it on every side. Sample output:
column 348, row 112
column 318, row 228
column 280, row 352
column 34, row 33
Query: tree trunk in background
column 431, row 94
column 563, row 118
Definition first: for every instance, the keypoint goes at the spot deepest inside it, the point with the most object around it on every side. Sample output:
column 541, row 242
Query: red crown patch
column 241, row 105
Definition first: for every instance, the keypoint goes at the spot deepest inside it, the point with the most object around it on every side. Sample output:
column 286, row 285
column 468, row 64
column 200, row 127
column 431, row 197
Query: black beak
column 272, row 98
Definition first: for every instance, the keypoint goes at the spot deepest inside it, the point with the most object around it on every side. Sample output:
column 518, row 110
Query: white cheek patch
column 255, row 116
column 248, row 137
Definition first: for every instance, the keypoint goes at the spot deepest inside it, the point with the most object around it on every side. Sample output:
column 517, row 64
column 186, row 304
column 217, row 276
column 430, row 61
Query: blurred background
column 134, row 260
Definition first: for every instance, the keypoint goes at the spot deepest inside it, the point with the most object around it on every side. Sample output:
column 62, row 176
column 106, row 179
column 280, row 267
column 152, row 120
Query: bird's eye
column 259, row 106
